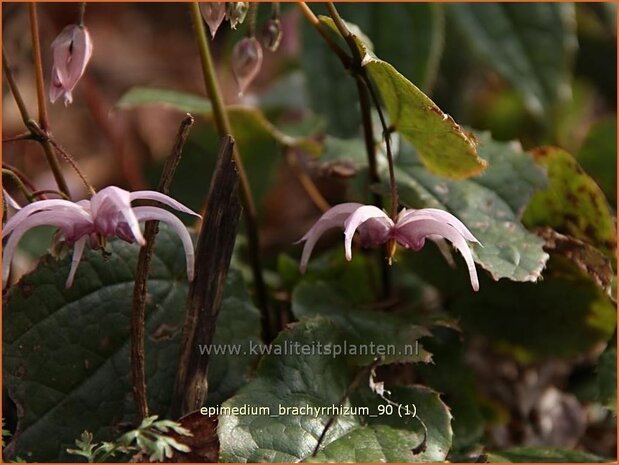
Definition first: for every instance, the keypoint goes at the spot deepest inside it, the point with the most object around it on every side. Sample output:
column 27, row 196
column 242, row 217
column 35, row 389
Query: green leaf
column 607, row 376
column 442, row 145
column 377, row 444
column 238, row 323
column 530, row 45
column 287, row 380
column 66, row 351
column 450, row 376
column 572, row 204
column 598, row 156
column 240, row 116
column 363, row 327
column 409, row 36
column 490, row 205
column 565, row 315
column 382, row 441
column 543, row 455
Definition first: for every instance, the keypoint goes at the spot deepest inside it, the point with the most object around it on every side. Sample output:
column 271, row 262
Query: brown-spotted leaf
column 572, row 204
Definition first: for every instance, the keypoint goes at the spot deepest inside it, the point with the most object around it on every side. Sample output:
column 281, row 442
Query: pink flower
column 246, row 62
column 108, row 213
column 72, row 50
column 374, row 226
column 213, row 14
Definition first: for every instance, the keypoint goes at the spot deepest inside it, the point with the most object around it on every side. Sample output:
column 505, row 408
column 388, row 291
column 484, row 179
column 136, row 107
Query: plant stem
column 360, row 74
column 306, row 182
column 19, row 183
column 8, row 73
column 213, row 253
column 315, row 22
column 22, row 177
column 249, row 210
column 30, row 124
column 82, row 12
column 251, row 19
column 387, row 136
column 138, row 312
column 38, row 67
column 43, row 193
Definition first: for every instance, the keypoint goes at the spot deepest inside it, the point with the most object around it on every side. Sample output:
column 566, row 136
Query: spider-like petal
column 415, row 231
column 78, row 250
column 332, row 218
column 159, row 214
column 60, row 206
column 165, row 199
column 51, row 218
column 406, row 216
column 10, row 201
column 359, row 217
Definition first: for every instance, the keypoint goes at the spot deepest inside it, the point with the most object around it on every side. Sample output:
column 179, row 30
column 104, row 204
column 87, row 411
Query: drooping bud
column 213, row 14
column 72, row 50
column 272, row 34
column 246, row 62
column 236, row 13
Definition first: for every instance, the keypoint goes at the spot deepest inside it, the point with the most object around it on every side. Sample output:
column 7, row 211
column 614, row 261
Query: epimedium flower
column 108, row 213
column 246, row 61
column 410, row 230
column 213, row 14
column 72, row 50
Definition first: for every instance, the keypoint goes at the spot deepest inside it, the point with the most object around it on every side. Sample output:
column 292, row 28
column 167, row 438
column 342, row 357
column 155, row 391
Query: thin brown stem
column 387, row 136
column 38, row 66
column 251, row 19
column 19, row 137
column 23, row 178
column 19, row 183
column 82, row 12
column 43, row 194
column 306, row 182
column 8, row 73
column 224, row 129
column 138, row 314
column 71, row 161
column 366, row 371
column 315, row 22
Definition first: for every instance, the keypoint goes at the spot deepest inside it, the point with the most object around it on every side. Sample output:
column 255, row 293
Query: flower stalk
column 224, row 129
column 30, row 123
column 138, row 312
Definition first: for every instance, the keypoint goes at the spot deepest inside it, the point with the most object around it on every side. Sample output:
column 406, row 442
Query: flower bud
column 272, row 34
column 236, row 12
column 213, row 14
column 246, row 62
column 72, row 50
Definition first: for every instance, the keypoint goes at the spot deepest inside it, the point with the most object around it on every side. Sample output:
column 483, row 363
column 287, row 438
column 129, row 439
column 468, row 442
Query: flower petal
column 332, row 218
column 165, row 199
column 106, row 207
column 78, row 250
column 72, row 50
column 360, row 216
column 417, row 230
column 66, row 209
column 51, row 218
column 159, row 214
column 10, row 201
column 406, row 216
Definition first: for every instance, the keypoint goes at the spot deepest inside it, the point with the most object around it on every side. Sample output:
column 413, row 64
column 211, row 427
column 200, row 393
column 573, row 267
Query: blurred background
column 563, row 92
